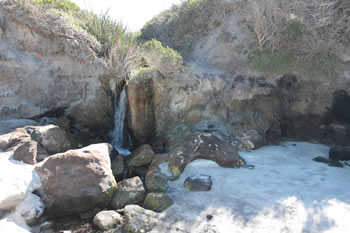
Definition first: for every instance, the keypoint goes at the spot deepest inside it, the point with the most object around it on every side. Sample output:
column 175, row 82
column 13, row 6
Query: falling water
column 118, row 136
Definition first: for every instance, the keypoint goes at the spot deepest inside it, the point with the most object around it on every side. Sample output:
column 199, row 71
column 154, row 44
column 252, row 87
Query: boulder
column 142, row 156
column 27, row 152
column 13, row 138
column 139, row 220
column 129, row 191
column 77, row 180
column 202, row 146
column 157, row 202
column 30, row 209
column 340, row 153
column 330, row 162
column 156, row 182
column 198, row 183
column 118, row 167
column 137, row 171
column 51, row 137
column 107, row 220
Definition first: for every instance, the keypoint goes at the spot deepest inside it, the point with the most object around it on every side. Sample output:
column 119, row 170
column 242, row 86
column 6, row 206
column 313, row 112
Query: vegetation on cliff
column 298, row 36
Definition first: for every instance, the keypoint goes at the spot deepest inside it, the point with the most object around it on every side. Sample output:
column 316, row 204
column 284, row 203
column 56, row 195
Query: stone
column 330, row 162
column 139, row 220
column 27, row 152
column 198, row 183
column 142, row 156
column 157, row 202
column 156, row 182
column 129, row 191
column 118, row 167
column 108, row 219
column 202, row 146
column 341, row 106
column 77, row 180
column 340, row 153
column 51, row 137
column 13, row 138
column 137, row 171
column 30, row 209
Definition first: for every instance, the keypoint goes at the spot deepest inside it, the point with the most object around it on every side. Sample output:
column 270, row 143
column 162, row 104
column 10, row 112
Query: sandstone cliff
column 47, row 67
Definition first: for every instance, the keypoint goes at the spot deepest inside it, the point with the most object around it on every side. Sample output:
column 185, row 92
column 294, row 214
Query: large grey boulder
column 129, row 191
column 77, row 180
column 139, row 220
column 108, row 219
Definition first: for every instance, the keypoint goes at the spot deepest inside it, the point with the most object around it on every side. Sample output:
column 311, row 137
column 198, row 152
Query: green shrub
column 64, row 5
column 163, row 59
column 318, row 65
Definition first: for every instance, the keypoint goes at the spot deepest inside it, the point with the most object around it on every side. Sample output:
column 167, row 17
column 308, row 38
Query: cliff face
column 45, row 67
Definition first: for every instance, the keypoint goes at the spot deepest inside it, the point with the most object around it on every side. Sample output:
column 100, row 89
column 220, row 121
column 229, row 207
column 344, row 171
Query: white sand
column 286, row 192
column 17, row 182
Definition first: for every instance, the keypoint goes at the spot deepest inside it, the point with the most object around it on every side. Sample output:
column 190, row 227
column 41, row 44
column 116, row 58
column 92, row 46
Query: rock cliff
column 46, row 67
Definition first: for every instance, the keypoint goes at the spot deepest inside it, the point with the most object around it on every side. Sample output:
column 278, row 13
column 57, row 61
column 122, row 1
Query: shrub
column 319, row 65
column 163, row 59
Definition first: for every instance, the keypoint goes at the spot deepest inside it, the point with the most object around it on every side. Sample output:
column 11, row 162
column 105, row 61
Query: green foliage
column 321, row 64
column 294, row 30
column 64, row 5
column 163, row 59
column 181, row 26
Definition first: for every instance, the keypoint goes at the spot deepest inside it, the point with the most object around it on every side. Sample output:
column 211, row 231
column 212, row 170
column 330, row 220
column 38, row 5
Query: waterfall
column 120, row 140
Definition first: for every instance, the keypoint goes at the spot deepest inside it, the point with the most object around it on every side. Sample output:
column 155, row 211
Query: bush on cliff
column 163, row 59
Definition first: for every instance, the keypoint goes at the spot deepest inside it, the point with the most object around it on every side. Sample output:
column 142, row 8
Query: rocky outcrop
column 340, row 153
column 27, row 152
column 49, row 67
column 202, row 146
column 248, row 111
column 77, row 180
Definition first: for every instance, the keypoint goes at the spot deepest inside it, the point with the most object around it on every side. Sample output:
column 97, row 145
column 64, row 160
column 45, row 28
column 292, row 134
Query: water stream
column 120, row 141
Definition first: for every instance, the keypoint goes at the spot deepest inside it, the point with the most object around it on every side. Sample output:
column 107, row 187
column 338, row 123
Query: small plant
column 163, row 59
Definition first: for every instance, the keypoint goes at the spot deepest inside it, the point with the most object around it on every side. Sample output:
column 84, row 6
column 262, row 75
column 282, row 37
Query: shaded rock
column 118, row 167
column 157, row 202
column 341, row 106
column 51, row 137
column 255, row 139
column 129, row 191
column 107, row 220
column 198, row 183
column 137, row 171
column 202, row 146
column 139, row 220
column 77, row 180
column 156, row 182
column 340, row 153
column 27, row 152
column 142, row 156
column 42, row 153
column 330, row 162
column 30, row 209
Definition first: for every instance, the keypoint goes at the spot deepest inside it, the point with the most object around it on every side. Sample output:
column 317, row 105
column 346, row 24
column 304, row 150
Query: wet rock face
column 77, row 180
column 202, row 146
column 341, row 106
column 42, row 71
